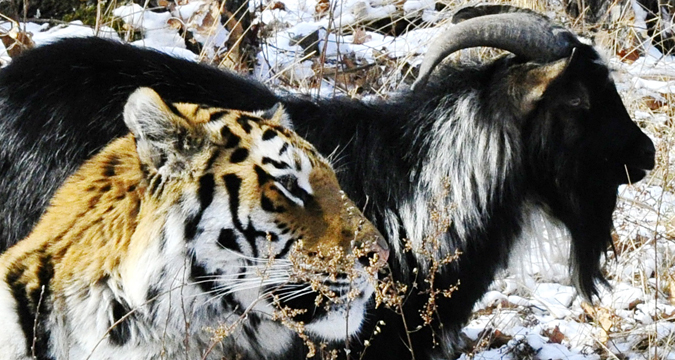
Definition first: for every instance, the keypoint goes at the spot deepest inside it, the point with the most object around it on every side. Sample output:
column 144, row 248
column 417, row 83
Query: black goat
column 454, row 165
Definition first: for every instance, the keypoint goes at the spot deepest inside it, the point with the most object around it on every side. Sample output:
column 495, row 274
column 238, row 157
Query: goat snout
column 638, row 159
column 646, row 154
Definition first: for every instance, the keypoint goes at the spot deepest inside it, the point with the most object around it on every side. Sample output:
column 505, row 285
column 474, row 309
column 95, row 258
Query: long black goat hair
column 452, row 167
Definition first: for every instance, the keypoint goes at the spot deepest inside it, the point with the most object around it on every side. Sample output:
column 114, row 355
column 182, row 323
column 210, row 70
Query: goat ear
column 162, row 136
column 277, row 114
column 530, row 84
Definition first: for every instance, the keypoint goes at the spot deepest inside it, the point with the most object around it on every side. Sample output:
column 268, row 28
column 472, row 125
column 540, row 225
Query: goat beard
column 590, row 225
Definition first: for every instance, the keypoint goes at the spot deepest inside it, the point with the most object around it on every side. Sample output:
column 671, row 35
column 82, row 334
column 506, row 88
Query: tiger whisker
column 267, row 274
column 257, row 259
column 225, row 289
column 239, row 285
column 296, row 295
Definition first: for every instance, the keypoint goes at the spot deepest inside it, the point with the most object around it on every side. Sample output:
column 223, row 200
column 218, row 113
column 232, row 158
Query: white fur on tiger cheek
column 12, row 343
column 305, row 171
column 337, row 323
column 290, row 157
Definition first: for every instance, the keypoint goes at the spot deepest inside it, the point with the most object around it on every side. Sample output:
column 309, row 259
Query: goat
column 450, row 168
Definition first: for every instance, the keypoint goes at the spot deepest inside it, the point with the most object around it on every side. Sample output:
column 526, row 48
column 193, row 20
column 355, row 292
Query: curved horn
column 525, row 34
column 469, row 12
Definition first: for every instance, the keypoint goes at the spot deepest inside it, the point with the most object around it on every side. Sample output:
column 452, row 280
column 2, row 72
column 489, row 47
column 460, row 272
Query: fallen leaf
column 174, row 23
column 17, row 41
column 635, row 303
column 361, row 36
column 588, row 309
column 654, row 104
column 321, row 8
column 499, row 339
column 628, row 55
column 601, row 316
column 555, row 335
column 278, row 5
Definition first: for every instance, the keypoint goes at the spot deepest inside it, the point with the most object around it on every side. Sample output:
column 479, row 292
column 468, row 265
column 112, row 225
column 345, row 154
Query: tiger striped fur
column 185, row 229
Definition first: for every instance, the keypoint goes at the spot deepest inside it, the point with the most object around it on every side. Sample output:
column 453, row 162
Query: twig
column 35, row 322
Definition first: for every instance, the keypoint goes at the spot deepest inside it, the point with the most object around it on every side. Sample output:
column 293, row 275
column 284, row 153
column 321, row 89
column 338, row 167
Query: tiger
column 199, row 235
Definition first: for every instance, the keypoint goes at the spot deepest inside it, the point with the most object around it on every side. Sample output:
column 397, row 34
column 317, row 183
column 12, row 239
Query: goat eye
column 575, row 102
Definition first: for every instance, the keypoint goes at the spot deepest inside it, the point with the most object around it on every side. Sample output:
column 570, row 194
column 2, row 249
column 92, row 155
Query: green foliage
column 84, row 13
column 45, row 9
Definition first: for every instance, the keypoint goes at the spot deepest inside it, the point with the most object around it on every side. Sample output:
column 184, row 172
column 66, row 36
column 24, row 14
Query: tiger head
column 267, row 228
column 205, row 232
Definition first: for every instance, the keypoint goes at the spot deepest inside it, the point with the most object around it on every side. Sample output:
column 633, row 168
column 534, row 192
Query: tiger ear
column 161, row 135
column 278, row 115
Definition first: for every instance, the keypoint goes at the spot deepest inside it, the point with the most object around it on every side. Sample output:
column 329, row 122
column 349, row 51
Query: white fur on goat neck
column 466, row 161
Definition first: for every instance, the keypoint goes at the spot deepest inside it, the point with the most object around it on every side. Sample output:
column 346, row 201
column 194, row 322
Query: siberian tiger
column 201, row 234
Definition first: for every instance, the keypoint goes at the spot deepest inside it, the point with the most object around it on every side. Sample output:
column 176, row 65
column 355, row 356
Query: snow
column 135, row 16
column 663, row 87
column 157, row 33
column 533, row 303
column 43, row 34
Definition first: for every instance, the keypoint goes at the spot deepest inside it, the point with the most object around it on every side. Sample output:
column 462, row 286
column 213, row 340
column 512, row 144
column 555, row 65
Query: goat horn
column 524, row 33
column 469, row 12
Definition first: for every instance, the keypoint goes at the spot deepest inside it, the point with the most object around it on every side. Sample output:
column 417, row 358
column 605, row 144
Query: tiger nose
column 377, row 254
